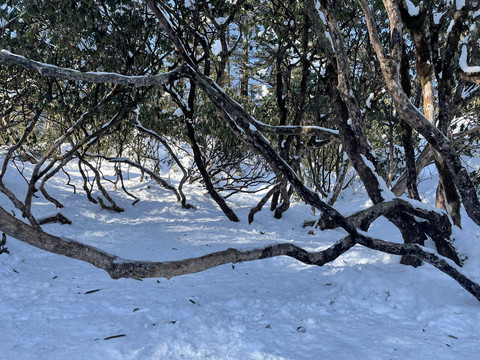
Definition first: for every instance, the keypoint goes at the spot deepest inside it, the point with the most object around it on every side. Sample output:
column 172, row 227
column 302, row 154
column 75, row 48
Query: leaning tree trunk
column 197, row 156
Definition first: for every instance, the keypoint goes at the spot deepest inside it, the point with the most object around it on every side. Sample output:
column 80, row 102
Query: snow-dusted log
column 43, row 69
column 118, row 267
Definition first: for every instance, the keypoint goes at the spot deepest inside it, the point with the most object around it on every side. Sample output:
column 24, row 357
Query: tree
column 319, row 54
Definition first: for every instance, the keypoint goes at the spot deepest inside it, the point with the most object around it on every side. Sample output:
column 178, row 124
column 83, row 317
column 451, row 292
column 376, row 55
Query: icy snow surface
column 362, row 306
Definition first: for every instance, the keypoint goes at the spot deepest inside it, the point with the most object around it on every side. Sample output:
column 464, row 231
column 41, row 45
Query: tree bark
column 411, row 173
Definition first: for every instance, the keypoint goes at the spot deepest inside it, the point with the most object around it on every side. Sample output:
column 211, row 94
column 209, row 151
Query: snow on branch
column 318, row 131
column 468, row 73
column 463, row 63
column 412, row 9
column 6, row 57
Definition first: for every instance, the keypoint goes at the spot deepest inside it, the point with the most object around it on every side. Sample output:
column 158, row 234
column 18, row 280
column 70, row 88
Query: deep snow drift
column 362, row 306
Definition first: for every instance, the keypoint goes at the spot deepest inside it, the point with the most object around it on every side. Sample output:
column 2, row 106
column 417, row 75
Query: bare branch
column 317, row 131
column 152, row 174
column 43, row 69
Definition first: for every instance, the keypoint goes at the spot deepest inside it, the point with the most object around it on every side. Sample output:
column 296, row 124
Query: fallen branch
column 118, row 267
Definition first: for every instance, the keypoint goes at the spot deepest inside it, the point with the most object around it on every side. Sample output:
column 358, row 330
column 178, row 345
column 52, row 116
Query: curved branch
column 118, row 267
column 169, row 149
column 6, row 57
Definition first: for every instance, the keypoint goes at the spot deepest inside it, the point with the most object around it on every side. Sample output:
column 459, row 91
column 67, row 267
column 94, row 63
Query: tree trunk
column 409, row 162
column 447, row 197
column 244, row 67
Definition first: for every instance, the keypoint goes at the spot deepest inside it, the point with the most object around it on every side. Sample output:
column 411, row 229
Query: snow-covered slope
column 363, row 306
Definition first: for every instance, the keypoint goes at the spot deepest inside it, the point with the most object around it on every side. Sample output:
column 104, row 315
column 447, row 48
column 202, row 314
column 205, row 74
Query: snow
column 468, row 91
column 65, row 148
column 221, row 20
column 437, row 17
column 320, row 12
column 463, row 62
column 362, row 306
column 412, row 9
column 178, row 112
column 217, row 47
column 327, row 35
column 265, row 92
column 450, row 27
column 369, row 100
column 460, row 4
column 386, row 192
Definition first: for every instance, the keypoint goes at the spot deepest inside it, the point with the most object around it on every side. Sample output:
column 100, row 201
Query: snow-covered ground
column 362, row 306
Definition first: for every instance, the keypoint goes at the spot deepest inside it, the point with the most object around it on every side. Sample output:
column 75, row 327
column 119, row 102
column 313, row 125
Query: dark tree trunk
column 409, row 161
